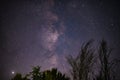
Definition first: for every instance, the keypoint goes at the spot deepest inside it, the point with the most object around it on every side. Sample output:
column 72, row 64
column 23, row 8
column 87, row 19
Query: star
column 13, row 72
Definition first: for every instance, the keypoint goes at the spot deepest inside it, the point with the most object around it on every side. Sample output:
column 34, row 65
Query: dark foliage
column 82, row 66
column 36, row 74
column 83, row 63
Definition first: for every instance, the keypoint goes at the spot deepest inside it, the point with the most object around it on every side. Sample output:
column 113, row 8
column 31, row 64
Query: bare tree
column 82, row 64
column 107, row 64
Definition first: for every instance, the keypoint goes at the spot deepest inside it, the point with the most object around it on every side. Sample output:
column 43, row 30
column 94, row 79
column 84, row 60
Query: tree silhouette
column 54, row 75
column 36, row 74
column 83, row 63
column 82, row 66
column 18, row 76
column 107, row 65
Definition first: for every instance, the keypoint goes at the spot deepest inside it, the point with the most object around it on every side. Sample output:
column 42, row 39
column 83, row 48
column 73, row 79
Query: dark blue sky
column 43, row 32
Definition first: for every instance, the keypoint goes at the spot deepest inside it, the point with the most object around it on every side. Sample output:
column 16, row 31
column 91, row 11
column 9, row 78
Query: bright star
column 13, row 72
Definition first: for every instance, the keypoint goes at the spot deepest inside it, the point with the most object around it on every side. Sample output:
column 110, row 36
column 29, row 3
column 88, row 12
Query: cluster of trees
column 89, row 64
column 93, row 64
column 36, row 74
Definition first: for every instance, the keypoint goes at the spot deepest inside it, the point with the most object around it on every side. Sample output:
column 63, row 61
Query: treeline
column 90, row 64
column 36, row 74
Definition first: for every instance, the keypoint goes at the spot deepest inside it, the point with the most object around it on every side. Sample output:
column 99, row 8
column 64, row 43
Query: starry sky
column 43, row 32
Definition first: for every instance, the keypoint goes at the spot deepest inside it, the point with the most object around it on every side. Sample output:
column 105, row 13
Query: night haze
column 44, row 32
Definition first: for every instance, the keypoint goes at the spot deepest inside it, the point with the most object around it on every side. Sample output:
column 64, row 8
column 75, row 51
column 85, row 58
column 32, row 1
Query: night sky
column 43, row 32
